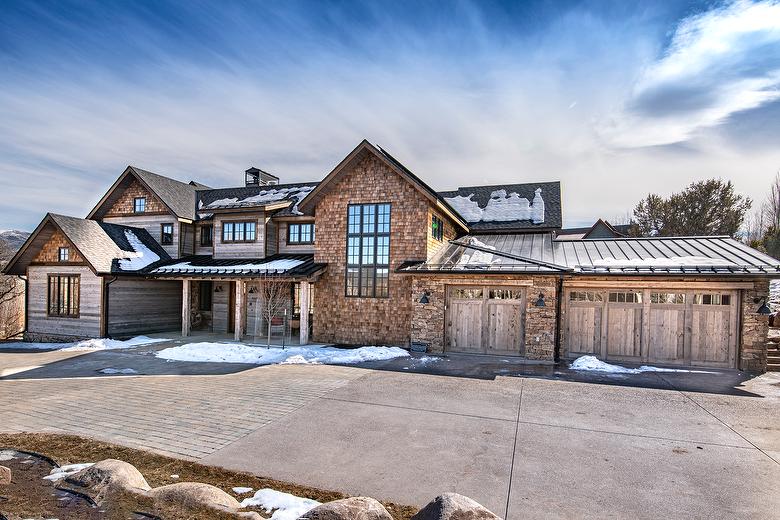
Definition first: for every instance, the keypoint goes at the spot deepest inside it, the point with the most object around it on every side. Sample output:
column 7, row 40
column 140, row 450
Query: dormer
column 257, row 177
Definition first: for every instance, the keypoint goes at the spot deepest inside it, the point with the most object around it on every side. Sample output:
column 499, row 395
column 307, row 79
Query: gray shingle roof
column 177, row 195
column 551, row 193
column 243, row 196
column 540, row 253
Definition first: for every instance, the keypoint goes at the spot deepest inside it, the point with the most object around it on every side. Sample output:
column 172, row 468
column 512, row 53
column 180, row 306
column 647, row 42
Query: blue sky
column 615, row 99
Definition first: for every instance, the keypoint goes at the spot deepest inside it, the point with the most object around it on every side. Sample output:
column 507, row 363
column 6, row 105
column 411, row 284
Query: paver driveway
column 524, row 447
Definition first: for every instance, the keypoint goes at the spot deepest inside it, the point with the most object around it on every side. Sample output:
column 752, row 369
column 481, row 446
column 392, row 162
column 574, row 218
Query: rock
column 452, row 506
column 355, row 508
column 194, row 494
column 105, row 477
column 5, row 476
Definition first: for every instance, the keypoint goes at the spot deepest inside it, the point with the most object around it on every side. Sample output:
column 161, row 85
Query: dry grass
column 157, row 469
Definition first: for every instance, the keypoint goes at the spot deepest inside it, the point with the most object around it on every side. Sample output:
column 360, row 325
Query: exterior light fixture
column 218, row 288
column 540, row 301
column 252, row 289
column 764, row 309
column 424, row 298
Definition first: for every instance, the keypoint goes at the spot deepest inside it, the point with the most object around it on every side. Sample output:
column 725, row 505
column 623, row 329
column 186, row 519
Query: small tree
column 11, row 306
column 273, row 296
column 709, row 207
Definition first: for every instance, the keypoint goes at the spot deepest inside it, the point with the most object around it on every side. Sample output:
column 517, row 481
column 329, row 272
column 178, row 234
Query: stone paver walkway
column 190, row 416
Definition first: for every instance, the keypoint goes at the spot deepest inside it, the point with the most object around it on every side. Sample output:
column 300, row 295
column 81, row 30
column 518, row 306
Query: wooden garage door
column 486, row 320
column 676, row 327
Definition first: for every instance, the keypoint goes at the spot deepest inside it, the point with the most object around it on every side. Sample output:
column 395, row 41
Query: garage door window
column 625, row 297
column 467, row 294
column 712, row 299
column 505, row 294
column 668, row 298
column 585, row 296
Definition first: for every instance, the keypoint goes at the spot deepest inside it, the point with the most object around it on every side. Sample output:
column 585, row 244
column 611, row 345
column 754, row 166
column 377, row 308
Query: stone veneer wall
column 356, row 320
column 428, row 320
column 755, row 329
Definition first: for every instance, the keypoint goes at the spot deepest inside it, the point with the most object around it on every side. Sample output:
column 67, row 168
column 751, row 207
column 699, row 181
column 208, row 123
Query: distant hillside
column 10, row 241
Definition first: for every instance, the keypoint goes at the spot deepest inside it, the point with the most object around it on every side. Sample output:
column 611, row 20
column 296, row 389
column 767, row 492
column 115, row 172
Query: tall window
column 437, row 228
column 166, row 234
column 368, row 250
column 300, row 233
column 63, row 296
column 238, row 231
column 64, row 254
column 139, row 204
column 206, row 234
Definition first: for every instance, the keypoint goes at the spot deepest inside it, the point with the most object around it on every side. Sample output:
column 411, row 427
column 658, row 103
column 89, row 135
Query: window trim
column 135, row 205
column 375, row 235
column 299, row 241
column 210, row 227
column 162, row 234
column 59, row 314
column 234, row 222
column 63, row 258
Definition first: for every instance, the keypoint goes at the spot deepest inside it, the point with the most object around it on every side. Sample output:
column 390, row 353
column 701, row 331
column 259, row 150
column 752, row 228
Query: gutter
column 26, row 301
column 106, row 299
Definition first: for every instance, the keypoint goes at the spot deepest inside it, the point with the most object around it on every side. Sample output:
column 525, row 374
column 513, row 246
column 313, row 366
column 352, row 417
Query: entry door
column 464, row 319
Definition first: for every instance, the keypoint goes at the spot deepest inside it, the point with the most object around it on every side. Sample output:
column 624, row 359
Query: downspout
column 558, row 305
column 26, row 301
column 105, row 302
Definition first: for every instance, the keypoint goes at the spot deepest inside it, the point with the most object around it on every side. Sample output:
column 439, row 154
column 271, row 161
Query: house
column 373, row 255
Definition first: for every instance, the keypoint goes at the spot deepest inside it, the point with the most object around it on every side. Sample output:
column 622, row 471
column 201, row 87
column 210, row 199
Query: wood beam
column 303, row 294
column 185, row 308
column 239, row 310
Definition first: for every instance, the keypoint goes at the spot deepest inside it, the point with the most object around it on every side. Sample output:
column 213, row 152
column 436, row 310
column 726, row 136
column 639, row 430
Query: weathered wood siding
column 143, row 306
column 219, row 305
column 152, row 224
column 254, row 249
column 284, row 247
column 87, row 325
column 199, row 249
column 187, row 232
column 271, row 244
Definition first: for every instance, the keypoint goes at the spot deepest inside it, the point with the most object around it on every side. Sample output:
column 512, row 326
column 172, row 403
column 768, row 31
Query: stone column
column 239, row 310
column 303, row 292
column 185, row 308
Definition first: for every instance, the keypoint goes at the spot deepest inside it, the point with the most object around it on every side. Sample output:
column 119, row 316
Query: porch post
column 185, row 307
column 303, row 292
column 238, row 321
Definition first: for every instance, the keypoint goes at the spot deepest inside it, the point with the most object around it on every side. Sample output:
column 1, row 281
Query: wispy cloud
column 718, row 63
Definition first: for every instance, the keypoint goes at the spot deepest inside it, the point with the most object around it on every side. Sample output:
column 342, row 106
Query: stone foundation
column 38, row 337
column 754, row 329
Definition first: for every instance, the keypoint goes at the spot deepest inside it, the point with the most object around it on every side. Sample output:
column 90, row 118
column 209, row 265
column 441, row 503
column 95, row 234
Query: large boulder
column 194, row 494
column 5, row 476
column 452, row 506
column 106, row 477
column 356, row 508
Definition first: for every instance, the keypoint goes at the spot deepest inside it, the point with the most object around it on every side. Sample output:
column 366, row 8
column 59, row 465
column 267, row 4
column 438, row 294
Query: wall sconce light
column 540, row 301
column 218, row 288
column 764, row 309
column 252, row 289
column 424, row 298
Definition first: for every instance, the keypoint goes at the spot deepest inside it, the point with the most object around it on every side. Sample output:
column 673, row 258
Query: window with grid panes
column 368, row 250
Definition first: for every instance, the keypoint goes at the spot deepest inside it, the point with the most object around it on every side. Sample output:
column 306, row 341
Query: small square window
column 64, row 254
column 166, row 234
column 139, row 204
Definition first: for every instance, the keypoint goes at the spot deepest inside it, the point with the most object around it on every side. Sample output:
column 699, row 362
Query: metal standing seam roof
column 204, row 265
column 540, row 253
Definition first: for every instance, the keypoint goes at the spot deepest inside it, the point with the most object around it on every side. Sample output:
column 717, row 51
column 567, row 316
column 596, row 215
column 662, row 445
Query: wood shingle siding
column 123, row 206
column 143, row 306
column 49, row 253
column 41, row 326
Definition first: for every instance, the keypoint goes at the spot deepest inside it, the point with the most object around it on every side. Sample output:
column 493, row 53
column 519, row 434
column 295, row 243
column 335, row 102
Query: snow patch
column 774, row 295
column 286, row 506
column 313, row 354
column 86, row 345
column 67, row 470
column 242, row 490
column 6, row 455
column 117, row 371
column 502, row 207
column 294, row 194
column 140, row 258
column 662, row 262
column 262, row 267
column 593, row 364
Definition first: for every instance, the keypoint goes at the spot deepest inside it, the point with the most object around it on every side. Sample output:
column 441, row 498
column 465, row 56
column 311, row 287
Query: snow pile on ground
column 86, row 345
column 64, row 471
column 593, row 364
column 286, row 506
column 502, row 207
column 310, row 354
column 242, row 490
column 118, row 371
column 6, row 455
column 140, row 258
column 774, row 295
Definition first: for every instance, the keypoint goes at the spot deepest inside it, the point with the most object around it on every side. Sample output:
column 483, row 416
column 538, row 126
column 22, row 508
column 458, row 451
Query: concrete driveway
column 526, row 447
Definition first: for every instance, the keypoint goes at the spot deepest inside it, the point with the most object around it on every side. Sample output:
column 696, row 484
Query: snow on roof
column 502, row 207
column 297, row 194
column 140, row 257
column 274, row 266
column 674, row 261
